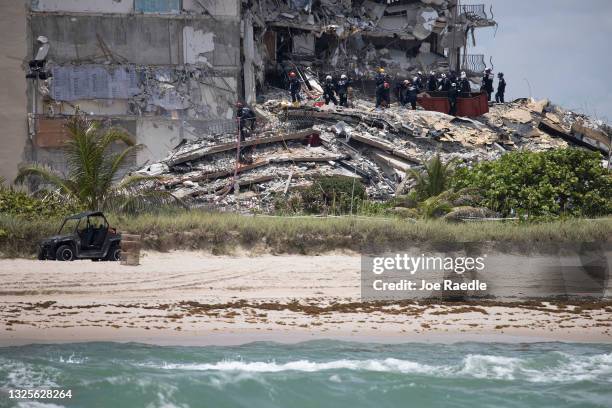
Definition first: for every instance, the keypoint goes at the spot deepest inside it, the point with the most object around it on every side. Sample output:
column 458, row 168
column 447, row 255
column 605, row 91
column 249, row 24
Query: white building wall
column 84, row 6
column 159, row 137
column 230, row 8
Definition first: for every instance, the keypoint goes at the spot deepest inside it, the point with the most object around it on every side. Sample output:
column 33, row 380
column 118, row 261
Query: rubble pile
column 293, row 146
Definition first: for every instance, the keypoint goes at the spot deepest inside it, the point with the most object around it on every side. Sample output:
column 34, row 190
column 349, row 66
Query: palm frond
column 433, row 179
column 118, row 160
column 45, row 175
column 135, row 180
column 435, row 207
column 93, row 168
column 113, row 135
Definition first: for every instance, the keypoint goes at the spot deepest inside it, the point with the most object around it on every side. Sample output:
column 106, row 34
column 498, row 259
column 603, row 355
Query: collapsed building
column 170, row 72
column 169, row 69
column 355, row 37
column 296, row 145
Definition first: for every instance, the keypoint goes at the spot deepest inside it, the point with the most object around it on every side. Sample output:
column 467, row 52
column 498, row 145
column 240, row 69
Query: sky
column 561, row 48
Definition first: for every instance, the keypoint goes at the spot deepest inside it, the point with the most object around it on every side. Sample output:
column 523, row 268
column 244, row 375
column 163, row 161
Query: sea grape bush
column 556, row 183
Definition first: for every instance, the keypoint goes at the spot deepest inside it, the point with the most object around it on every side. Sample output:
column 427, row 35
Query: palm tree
column 93, row 170
column 434, row 178
column 436, row 206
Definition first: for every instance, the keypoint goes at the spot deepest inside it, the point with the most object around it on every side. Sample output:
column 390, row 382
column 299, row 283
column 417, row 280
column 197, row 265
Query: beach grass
column 224, row 233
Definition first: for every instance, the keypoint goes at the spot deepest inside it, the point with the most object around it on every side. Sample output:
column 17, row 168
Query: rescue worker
column 432, row 82
column 444, row 84
column 329, row 90
column 386, row 95
column 487, row 83
column 464, row 83
column 411, row 93
column 342, row 90
column 383, row 88
column 294, row 87
column 399, row 89
column 246, row 124
column 420, row 81
column 380, row 77
column 501, row 88
column 453, row 93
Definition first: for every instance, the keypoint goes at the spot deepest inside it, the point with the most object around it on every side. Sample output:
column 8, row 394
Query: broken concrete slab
column 538, row 106
column 518, row 115
column 580, row 129
column 209, row 150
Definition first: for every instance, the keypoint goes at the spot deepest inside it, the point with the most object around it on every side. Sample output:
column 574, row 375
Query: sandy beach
column 199, row 299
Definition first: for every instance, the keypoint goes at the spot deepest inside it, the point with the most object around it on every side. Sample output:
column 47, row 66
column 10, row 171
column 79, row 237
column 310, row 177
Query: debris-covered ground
column 294, row 145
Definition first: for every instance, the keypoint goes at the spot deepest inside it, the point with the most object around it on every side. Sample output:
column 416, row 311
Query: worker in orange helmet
column 383, row 88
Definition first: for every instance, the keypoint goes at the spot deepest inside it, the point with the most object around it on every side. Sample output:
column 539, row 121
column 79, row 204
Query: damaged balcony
column 477, row 15
column 353, row 37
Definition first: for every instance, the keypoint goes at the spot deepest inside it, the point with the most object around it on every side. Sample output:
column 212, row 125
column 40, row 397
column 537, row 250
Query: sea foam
column 568, row 368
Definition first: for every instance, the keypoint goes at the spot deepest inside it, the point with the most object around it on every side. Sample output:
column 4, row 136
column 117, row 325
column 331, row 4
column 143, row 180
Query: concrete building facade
column 170, row 70
column 162, row 70
column 13, row 111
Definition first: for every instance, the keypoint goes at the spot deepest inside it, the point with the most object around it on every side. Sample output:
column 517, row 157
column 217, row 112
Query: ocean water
column 312, row 374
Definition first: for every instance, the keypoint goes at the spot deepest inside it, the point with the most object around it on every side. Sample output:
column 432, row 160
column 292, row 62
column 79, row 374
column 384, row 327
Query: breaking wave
column 564, row 368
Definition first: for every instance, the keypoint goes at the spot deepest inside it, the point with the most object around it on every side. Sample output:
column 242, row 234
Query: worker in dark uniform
column 383, row 88
column 501, row 88
column 453, row 93
column 401, row 86
column 329, row 90
column 444, row 84
column 420, row 81
column 246, row 125
column 464, row 84
column 294, row 87
column 380, row 77
column 412, row 91
column 487, row 83
column 432, row 82
column 342, row 89
column 398, row 90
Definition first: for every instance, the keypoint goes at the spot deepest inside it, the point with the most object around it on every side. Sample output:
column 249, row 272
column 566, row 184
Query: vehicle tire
column 114, row 253
column 65, row 253
column 41, row 255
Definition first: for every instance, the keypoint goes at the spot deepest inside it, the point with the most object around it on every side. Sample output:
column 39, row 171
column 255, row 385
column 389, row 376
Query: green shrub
column 562, row 182
column 333, row 195
column 227, row 233
column 19, row 203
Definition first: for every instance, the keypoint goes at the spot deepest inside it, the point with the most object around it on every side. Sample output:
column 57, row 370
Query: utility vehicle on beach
column 86, row 235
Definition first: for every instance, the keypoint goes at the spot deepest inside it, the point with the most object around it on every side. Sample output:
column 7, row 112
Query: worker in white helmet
column 464, row 84
column 342, row 89
column 329, row 90
column 432, row 82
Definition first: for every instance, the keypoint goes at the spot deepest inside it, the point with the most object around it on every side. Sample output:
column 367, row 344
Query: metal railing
column 474, row 63
column 474, row 11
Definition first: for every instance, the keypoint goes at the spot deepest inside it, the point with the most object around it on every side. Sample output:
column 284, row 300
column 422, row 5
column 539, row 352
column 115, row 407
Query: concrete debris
column 295, row 145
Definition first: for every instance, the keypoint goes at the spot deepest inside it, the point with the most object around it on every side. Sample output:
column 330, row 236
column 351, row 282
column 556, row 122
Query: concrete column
column 249, row 56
